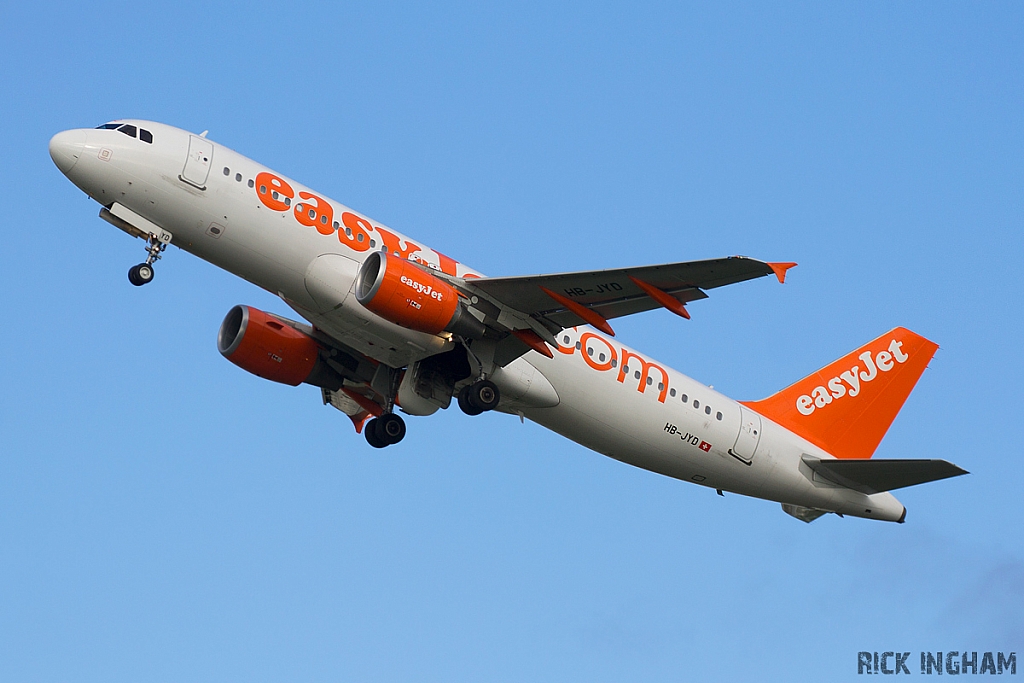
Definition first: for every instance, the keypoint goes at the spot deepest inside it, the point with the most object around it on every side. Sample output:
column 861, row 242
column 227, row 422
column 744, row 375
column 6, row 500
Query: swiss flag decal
column 704, row 446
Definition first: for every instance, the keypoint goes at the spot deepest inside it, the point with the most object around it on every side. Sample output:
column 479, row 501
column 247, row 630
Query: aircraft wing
column 567, row 299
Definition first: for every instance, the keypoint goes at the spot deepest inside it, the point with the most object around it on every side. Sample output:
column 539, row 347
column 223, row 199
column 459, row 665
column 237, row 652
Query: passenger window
column 373, row 244
column 707, row 410
column 601, row 357
column 565, row 339
column 719, row 416
column 128, row 129
column 672, row 393
column 577, row 346
column 251, row 183
column 227, row 171
column 145, row 135
column 238, row 177
column 696, row 403
column 685, row 398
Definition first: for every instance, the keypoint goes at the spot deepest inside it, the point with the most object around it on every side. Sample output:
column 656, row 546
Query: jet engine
column 408, row 295
column 264, row 345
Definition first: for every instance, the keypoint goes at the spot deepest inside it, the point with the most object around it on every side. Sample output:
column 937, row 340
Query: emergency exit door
column 748, row 437
column 198, row 162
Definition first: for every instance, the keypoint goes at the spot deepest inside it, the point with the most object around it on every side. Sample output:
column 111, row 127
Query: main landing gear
column 389, row 428
column 386, row 430
column 143, row 273
column 479, row 397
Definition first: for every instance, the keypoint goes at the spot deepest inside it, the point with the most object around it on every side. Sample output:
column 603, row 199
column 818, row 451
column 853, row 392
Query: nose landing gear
column 143, row 273
column 140, row 274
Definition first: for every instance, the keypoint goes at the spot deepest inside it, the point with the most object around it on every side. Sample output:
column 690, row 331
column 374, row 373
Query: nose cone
column 66, row 148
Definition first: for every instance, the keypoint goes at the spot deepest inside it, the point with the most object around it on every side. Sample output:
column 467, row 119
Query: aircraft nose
column 66, row 147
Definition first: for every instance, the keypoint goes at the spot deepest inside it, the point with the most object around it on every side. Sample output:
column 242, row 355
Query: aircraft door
column 198, row 162
column 748, row 437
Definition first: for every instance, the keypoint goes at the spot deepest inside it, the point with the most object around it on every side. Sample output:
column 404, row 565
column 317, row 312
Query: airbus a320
column 391, row 325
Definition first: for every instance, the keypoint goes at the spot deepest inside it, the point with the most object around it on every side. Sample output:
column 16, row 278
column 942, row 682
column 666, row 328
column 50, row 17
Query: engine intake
column 262, row 344
column 408, row 295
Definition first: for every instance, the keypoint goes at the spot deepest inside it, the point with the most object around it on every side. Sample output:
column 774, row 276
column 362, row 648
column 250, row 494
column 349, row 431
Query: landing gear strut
column 479, row 397
column 386, row 430
column 143, row 273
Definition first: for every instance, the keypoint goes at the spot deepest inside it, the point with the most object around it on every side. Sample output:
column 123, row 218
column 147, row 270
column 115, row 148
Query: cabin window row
column 312, row 213
column 696, row 404
column 252, row 183
column 601, row 357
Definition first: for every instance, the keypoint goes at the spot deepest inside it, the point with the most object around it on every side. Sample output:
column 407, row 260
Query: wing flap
column 875, row 476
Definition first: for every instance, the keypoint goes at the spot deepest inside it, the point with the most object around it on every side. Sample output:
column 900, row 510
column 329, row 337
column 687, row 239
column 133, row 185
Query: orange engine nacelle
column 407, row 295
column 263, row 345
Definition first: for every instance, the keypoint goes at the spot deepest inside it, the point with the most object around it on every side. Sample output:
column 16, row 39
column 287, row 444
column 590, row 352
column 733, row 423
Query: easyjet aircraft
column 393, row 324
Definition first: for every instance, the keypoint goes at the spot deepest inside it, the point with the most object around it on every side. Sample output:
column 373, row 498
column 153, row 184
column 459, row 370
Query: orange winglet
column 592, row 317
column 533, row 340
column 780, row 269
column 662, row 297
column 372, row 407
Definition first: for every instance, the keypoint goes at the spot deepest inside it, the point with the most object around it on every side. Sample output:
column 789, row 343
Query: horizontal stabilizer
column 875, row 476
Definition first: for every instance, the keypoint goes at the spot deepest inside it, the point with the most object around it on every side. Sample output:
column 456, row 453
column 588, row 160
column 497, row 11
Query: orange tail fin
column 846, row 407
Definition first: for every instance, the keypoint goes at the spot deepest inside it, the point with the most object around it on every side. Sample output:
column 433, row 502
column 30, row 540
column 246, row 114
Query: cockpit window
column 129, row 130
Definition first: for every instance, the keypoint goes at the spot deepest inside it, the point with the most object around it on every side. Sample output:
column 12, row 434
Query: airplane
column 390, row 323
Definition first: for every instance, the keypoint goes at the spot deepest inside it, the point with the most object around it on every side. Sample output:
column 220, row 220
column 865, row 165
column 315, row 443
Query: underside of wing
column 567, row 299
column 616, row 292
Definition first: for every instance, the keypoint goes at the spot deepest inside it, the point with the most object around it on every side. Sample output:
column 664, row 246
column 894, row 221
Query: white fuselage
column 638, row 415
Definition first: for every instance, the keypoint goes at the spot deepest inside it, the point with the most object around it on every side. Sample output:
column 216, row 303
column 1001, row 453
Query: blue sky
column 165, row 516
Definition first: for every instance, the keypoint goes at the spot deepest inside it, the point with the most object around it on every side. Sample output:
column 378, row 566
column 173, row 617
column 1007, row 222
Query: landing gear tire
column 141, row 274
column 479, row 397
column 370, row 432
column 390, row 428
column 464, row 404
column 386, row 430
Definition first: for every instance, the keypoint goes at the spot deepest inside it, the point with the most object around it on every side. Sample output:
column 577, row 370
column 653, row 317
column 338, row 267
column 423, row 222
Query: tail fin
column 846, row 407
